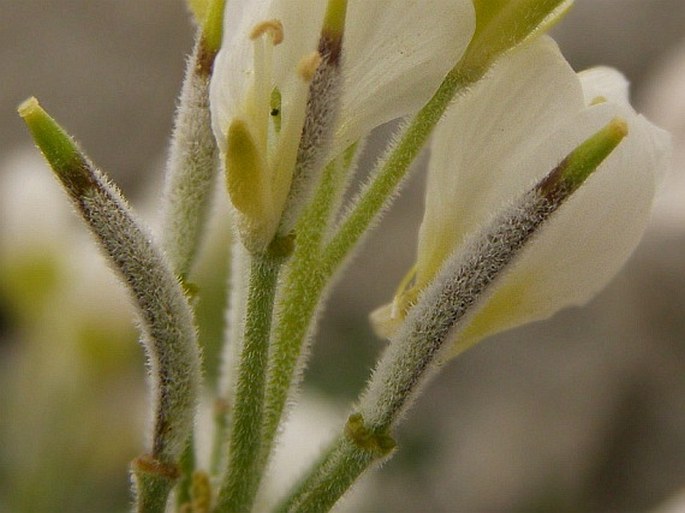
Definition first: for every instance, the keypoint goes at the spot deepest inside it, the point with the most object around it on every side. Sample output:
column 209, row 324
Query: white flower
column 513, row 128
column 394, row 56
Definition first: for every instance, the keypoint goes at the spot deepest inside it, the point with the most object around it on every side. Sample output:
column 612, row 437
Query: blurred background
column 581, row 413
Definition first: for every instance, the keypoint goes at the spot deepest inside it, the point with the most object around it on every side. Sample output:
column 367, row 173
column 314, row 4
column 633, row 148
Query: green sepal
column 503, row 24
column 334, row 20
column 213, row 24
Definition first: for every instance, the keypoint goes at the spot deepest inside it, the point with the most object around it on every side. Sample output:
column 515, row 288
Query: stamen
column 308, row 65
column 263, row 72
column 598, row 100
column 274, row 28
column 282, row 160
column 404, row 295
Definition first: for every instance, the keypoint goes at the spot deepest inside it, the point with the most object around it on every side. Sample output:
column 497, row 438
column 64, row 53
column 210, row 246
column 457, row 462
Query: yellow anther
column 273, row 28
column 308, row 65
column 598, row 100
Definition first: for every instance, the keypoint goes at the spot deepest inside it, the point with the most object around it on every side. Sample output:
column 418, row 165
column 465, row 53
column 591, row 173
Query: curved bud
column 168, row 332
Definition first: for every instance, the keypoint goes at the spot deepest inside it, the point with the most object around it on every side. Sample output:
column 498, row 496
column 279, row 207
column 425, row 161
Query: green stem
column 232, row 347
column 394, row 168
column 302, row 290
column 186, row 467
column 320, row 491
column 242, row 478
column 153, row 482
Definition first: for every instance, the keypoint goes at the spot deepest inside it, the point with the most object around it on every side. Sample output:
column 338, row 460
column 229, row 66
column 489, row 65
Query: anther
column 308, row 65
column 273, row 28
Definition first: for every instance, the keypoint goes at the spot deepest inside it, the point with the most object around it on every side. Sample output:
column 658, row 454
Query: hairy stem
column 300, row 295
column 387, row 178
column 242, row 478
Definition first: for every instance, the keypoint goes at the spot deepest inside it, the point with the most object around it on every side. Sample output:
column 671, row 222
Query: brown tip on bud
column 308, row 66
column 273, row 28
column 59, row 149
column 204, row 59
column 583, row 161
column 330, row 47
column 330, row 44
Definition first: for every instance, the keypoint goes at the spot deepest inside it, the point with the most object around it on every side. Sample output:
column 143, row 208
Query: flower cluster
column 540, row 183
column 506, row 132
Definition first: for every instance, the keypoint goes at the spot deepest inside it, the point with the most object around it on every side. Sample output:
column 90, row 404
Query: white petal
column 612, row 85
column 606, row 83
column 396, row 54
column 234, row 66
column 586, row 242
column 302, row 22
column 474, row 151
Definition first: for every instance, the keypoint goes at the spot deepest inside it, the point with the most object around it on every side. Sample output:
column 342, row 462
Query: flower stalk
column 391, row 172
column 303, row 280
column 242, row 477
